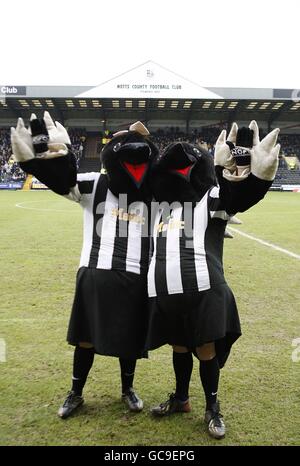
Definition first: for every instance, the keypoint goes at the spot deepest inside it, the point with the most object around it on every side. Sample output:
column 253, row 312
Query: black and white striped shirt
column 113, row 238
column 188, row 262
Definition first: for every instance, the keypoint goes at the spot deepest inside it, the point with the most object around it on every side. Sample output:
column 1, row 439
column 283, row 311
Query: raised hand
column 21, row 141
column 50, row 139
column 45, row 139
column 264, row 154
column 223, row 155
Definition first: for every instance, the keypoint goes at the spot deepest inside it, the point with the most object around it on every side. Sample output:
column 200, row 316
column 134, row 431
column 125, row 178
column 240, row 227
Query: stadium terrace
column 174, row 109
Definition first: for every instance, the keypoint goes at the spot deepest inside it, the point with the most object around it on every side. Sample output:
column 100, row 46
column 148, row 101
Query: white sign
column 150, row 80
column 12, row 90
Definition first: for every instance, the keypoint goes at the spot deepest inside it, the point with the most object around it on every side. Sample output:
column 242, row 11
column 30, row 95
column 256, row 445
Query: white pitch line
column 29, row 320
column 21, row 205
column 266, row 243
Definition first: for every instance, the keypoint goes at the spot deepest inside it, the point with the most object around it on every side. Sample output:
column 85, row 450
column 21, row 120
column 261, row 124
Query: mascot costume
column 109, row 314
column 191, row 306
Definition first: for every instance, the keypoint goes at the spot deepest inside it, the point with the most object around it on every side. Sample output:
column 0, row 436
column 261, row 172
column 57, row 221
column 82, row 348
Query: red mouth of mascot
column 184, row 172
column 136, row 171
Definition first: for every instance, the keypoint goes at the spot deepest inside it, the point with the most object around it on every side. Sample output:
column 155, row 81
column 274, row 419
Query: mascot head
column 183, row 173
column 126, row 159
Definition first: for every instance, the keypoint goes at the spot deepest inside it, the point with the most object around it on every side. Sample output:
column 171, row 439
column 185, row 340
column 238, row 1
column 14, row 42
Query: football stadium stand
column 172, row 107
column 11, row 176
column 87, row 146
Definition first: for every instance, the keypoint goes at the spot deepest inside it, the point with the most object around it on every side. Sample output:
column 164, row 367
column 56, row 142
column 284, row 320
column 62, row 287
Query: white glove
column 58, row 138
column 223, row 156
column 264, row 154
column 21, row 142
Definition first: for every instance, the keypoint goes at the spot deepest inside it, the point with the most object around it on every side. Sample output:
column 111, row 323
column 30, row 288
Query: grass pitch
column 40, row 245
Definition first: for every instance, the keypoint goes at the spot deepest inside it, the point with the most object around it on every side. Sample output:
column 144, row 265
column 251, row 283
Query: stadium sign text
column 13, row 90
column 149, row 80
column 149, row 87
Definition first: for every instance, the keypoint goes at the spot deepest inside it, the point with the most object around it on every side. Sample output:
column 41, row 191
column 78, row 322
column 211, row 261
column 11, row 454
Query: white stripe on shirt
column 108, row 232
column 151, row 271
column 134, row 244
column 174, row 282
column 200, row 225
column 87, row 202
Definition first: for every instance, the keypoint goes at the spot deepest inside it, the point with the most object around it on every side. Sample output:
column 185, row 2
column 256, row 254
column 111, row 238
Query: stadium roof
column 151, row 108
column 150, row 91
column 147, row 81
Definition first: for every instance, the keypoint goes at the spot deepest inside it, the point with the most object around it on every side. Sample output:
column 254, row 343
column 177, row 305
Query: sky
column 232, row 43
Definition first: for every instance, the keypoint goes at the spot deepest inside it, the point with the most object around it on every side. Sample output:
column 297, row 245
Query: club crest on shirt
column 173, row 224
column 128, row 216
